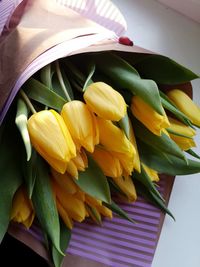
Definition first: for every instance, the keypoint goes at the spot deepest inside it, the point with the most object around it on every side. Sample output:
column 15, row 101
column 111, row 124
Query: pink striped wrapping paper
column 117, row 243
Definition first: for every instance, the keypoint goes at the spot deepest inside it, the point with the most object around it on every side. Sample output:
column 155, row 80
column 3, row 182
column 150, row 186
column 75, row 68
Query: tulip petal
column 126, row 76
column 127, row 187
column 107, row 161
column 153, row 121
column 113, row 138
column 162, row 143
column 65, row 181
column 73, row 206
column 186, row 105
column 104, row 101
column 51, row 138
column 80, row 122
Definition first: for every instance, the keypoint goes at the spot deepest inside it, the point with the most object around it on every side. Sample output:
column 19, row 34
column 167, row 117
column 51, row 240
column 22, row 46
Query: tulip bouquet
column 89, row 129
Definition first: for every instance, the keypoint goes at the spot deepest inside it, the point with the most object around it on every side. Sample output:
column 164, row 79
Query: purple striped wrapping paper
column 117, row 243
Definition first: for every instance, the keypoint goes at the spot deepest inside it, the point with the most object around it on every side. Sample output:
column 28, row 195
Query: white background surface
column 155, row 27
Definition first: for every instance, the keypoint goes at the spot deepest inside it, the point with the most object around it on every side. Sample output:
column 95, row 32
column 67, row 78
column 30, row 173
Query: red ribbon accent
column 125, row 41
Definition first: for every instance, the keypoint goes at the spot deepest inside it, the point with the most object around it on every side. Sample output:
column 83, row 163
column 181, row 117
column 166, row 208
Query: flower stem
column 27, row 101
column 60, row 78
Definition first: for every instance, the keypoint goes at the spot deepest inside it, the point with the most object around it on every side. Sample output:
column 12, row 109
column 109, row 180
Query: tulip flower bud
column 79, row 163
column 113, row 138
column 22, row 208
column 127, row 187
column 97, row 204
column 148, row 116
column 81, row 160
column 180, row 128
column 65, row 181
column 153, row 175
column 51, row 138
column 106, row 102
column 109, row 164
column 81, row 124
column 69, row 206
column 185, row 104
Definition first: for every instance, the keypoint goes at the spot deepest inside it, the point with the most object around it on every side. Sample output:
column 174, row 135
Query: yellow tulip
column 106, row 212
column 98, row 206
column 81, row 124
column 64, row 181
column 51, row 138
column 104, row 101
column 127, row 187
column 73, row 207
column 153, row 121
column 183, row 142
column 106, row 160
column 81, row 160
column 79, row 163
column 114, row 139
column 153, row 175
column 181, row 128
column 127, row 162
column 22, row 208
column 64, row 215
column 91, row 201
column 185, row 104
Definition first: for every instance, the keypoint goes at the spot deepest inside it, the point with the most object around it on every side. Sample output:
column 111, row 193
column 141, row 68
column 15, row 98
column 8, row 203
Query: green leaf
column 56, row 87
column 65, row 236
column 89, row 81
column 10, row 169
column 74, row 72
column 94, row 182
column 40, row 93
column 171, row 165
column 46, row 74
column 116, row 209
column 151, row 197
column 146, row 181
column 192, row 153
column 124, row 125
column 21, row 122
column 29, row 169
column 44, row 204
column 164, row 70
column 162, row 143
column 126, row 77
column 167, row 104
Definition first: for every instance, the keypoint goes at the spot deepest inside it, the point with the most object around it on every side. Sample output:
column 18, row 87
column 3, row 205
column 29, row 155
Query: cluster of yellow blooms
column 66, row 140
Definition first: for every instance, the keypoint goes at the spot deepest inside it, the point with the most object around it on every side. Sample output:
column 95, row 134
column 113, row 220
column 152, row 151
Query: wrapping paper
column 27, row 44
